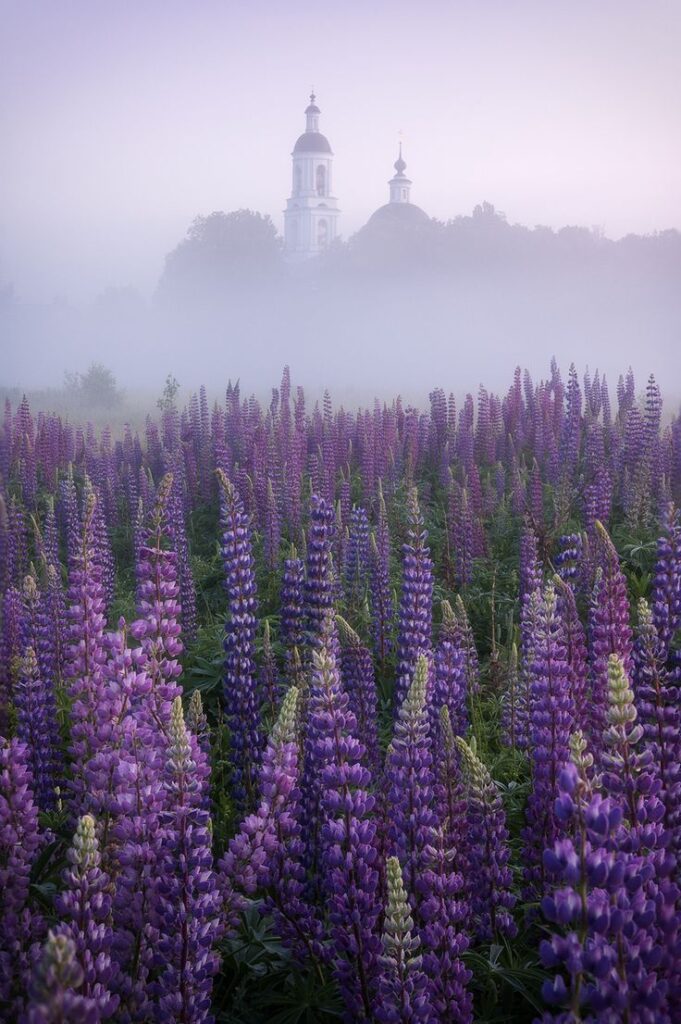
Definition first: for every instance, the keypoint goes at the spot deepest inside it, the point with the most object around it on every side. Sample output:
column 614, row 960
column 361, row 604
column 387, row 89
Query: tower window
column 321, row 180
column 322, row 233
column 298, row 180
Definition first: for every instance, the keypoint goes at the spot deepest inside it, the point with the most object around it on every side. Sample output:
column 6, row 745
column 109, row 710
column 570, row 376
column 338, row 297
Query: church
column 312, row 214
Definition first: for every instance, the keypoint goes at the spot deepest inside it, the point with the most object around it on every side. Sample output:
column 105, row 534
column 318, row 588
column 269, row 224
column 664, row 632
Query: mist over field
column 121, row 132
column 365, row 323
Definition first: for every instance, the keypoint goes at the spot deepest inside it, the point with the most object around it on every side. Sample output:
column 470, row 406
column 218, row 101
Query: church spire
column 312, row 113
column 399, row 184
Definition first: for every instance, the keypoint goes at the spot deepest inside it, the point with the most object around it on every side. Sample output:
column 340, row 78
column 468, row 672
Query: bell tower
column 311, row 215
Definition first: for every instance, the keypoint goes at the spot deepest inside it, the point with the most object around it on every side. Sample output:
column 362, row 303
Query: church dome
column 399, row 213
column 312, row 142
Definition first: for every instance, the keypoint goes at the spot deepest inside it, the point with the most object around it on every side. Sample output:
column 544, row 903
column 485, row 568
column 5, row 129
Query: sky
column 121, row 120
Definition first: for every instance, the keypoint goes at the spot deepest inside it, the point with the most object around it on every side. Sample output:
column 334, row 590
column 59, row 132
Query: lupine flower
column 449, row 687
column 660, row 718
column 266, row 853
column 85, row 654
column 410, row 781
column 269, row 674
column 666, row 595
column 382, row 603
column 575, row 649
column 272, row 532
column 357, row 557
column 19, row 844
column 347, row 838
column 319, row 579
column 54, row 989
column 84, row 907
column 551, row 721
column 416, row 611
column 188, row 899
column 442, row 914
column 357, row 673
column 609, row 633
column 403, row 991
column 36, row 721
column 600, row 911
column 514, row 709
column 292, row 611
column 488, row 854
column 158, row 627
column 240, row 630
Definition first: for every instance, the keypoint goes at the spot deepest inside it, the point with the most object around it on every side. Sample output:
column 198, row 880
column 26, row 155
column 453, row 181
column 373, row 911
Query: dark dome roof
column 312, row 142
column 399, row 213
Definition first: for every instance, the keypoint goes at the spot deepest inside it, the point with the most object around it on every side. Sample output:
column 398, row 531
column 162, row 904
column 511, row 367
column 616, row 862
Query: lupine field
column 311, row 714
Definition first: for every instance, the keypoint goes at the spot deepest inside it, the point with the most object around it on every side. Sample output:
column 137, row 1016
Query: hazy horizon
column 123, row 122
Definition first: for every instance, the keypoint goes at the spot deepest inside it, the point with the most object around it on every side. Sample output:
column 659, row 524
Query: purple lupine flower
column 551, row 721
column 85, row 654
column 629, row 776
column 660, row 717
column 514, row 714
column 456, row 628
column 450, row 794
column 319, row 588
column 272, row 531
column 600, row 911
column 19, row 843
column 450, row 685
column 157, row 629
column 197, row 723
column 292, row 612
column 266, row 853
column 487, row 851
column 36, row 722
column 357, row 557
column 16, row 549
column 269, row 683
column 239, row 643
column 416, row 603
column 382, row 603
column 52, row 625
column 10, row 649
column 566, row 561
column 441, row 913
column 666, row 592
column 609, row 633
column 188, row 901
column 347, row 839
column 177, row 531
column 357, row 674
column 403, row 988
column 54, row 996
column 461, row 534
column 575, row 650
column 126, row 781
column 84, row 907
column 410, row 781
column 103, row 554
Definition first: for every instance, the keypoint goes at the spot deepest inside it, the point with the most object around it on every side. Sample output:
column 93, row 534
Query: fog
column 123, row 123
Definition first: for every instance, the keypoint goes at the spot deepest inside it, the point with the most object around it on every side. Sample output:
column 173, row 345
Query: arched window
column 321, row 180
column 293, row 234
column 298, row 180
column 322, row 233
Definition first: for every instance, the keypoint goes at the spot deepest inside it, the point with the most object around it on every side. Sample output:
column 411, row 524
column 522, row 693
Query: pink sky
column 122, row 120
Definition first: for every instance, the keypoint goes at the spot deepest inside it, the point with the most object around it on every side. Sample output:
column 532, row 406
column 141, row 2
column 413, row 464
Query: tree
column 96, row 388
column 219, row 250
